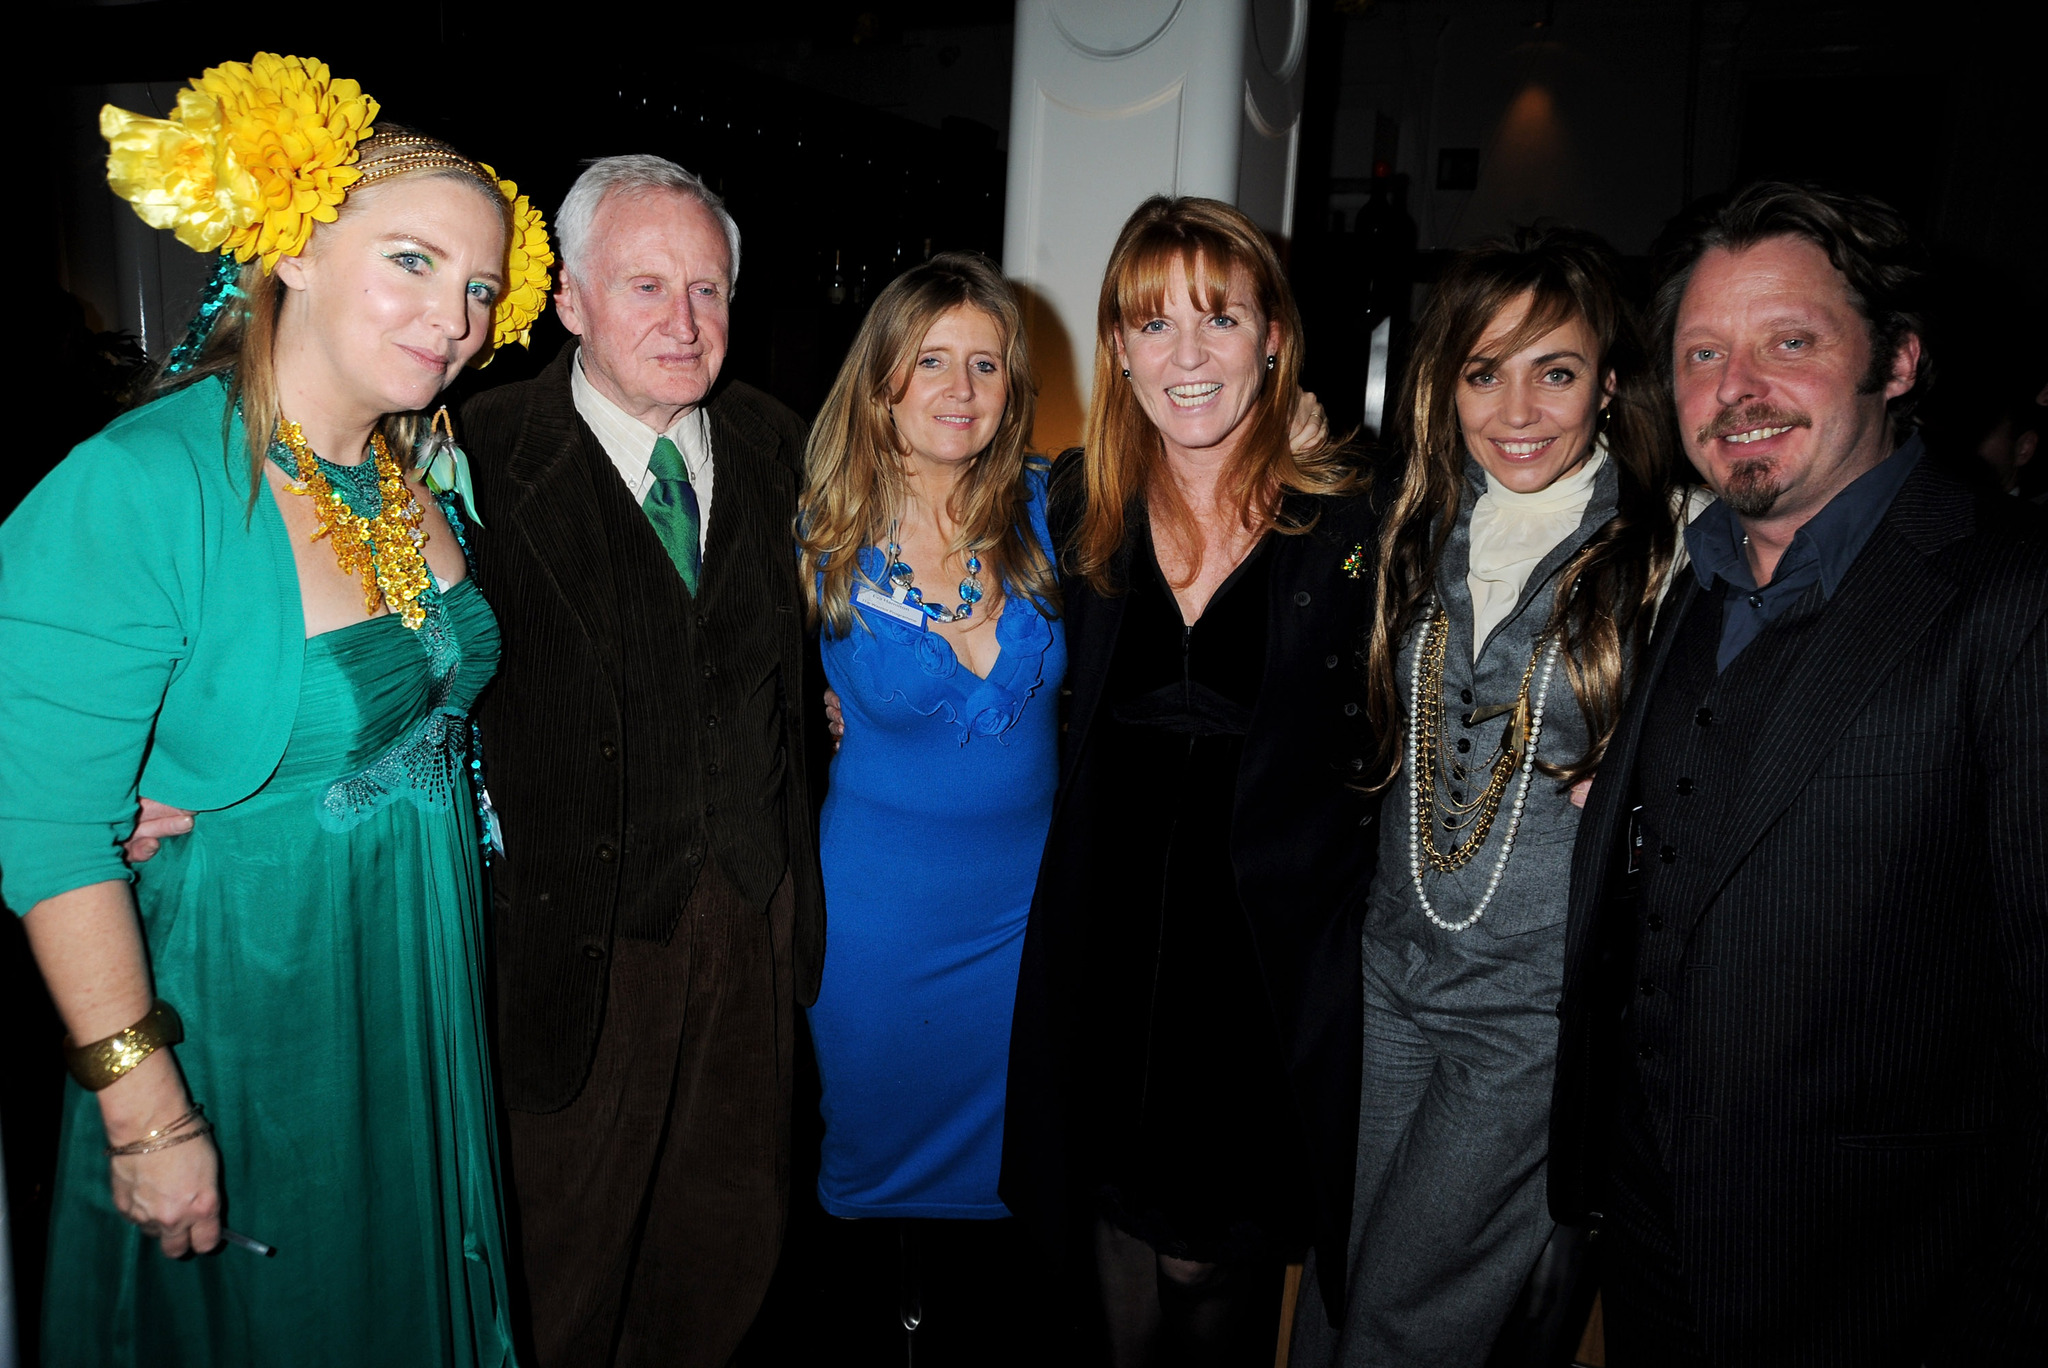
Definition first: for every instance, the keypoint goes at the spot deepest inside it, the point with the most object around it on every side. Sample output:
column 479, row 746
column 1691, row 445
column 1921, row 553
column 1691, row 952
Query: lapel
column 1604, row 822
column 750, row 495
column 1891, row 596
column 1093, row 622
column 556, row 511
column 1454, row 566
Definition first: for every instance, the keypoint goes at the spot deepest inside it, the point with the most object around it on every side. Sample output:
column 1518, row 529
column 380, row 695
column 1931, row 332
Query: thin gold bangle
column 163, row 1137
column 104, row 1061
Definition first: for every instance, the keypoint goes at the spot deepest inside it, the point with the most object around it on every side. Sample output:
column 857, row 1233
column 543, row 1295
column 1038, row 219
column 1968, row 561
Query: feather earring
column 444, row 466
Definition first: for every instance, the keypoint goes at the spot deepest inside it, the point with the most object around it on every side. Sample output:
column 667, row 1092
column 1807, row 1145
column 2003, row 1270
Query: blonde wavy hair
column 1123, row 457
column 854, row 481
column 242, row 347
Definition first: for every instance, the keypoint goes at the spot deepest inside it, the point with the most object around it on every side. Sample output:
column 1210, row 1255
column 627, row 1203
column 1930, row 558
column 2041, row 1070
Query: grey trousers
column 1450, row 1208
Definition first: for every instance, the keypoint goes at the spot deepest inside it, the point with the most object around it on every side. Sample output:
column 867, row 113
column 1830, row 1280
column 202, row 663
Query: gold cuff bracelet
column 104, row 1061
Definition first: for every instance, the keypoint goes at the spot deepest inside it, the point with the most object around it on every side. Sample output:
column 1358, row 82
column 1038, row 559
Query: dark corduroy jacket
column 561, row 565
column 1852, row 1027
column 1301, row 844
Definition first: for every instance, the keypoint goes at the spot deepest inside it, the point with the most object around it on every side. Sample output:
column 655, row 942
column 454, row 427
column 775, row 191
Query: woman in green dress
column 244, row 600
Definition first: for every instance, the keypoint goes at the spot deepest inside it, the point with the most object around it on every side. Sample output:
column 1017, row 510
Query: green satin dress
column 322, row 940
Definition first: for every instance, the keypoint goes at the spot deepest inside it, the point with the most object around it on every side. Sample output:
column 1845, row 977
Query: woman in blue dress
column 923, row 538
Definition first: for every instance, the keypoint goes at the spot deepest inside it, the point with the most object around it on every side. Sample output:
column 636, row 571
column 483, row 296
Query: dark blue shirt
column 1822, row 551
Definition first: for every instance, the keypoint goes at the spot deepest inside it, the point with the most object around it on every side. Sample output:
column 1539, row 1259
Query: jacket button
column 700, row 620
column 1704, row 717
column 1329, row 662
column 1301, row 598
column 694, row 858
column 711, row 809
column 1351, row 710
column 1655, row 921
column 605, row 853
column 608, row 751
column 1667, row 853
column 1464, row 743
column 1646, row 1052
column 1685, row 786
column 1357, row 765
column 592, row 950
column 711, row 721
column 1465, row 695
column 711, row 768
column 1649, row 989
column 710, row 670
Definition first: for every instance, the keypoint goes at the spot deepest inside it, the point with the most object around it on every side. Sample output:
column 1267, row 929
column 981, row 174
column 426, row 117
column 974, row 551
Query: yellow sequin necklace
column 382, row 550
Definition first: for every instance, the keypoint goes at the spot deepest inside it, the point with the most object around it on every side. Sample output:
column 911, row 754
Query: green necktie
column 671, row 505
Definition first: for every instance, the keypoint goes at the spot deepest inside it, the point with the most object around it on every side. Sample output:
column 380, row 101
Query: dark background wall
column 853, row 139
column 1448, row 120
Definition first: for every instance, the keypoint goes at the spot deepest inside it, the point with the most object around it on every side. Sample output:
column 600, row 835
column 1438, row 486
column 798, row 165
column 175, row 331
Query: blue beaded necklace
column 905, row 579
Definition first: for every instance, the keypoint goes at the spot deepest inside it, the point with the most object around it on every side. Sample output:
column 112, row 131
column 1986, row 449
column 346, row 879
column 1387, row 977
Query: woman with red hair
column 1184, row 1059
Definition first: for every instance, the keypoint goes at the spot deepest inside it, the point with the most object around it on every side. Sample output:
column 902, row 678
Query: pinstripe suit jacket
column 1859, row 1153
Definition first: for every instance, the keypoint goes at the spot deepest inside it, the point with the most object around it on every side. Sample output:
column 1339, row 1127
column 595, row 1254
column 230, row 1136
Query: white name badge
column 907, row 613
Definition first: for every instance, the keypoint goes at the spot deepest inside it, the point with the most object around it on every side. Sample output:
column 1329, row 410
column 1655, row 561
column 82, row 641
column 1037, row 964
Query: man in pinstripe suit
column 1804, row 1049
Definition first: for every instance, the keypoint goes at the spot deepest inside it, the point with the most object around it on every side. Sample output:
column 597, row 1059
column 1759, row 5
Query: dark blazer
column 1302, row 845
column 556, row 753
column 1859, row 1156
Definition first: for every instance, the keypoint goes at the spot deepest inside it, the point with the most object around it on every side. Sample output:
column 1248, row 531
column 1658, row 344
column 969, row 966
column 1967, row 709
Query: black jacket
column 558, row 755
column 1859, row 1063
column 1302, row 845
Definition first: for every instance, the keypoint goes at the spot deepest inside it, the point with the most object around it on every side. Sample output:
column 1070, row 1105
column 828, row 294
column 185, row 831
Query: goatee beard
column 1752, row 488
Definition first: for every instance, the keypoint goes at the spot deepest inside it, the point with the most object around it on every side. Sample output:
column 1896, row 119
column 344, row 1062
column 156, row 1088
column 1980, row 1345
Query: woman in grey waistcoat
column 1522, row 556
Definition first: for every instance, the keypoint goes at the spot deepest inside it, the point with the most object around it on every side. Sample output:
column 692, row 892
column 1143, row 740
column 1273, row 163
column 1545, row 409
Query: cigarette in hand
column 236, row 1237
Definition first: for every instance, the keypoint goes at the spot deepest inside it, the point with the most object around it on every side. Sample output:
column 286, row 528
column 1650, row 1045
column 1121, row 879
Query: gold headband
column 423, row 155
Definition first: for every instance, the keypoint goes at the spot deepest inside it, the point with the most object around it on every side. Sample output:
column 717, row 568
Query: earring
column 1272, row 361
column 1127, row 372
column 1605, row 414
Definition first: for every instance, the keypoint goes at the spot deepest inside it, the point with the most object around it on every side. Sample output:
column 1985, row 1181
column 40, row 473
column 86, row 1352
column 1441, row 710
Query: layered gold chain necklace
column 382, row 549
column 1437, row 776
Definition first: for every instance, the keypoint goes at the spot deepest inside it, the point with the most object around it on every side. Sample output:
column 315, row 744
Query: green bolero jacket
column 151, row 641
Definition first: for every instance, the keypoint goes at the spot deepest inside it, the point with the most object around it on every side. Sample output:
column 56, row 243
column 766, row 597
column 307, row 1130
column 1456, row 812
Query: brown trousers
column 649, row 1212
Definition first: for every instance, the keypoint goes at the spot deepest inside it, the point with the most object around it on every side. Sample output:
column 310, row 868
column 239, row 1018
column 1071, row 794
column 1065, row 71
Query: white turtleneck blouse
column 1511, row 532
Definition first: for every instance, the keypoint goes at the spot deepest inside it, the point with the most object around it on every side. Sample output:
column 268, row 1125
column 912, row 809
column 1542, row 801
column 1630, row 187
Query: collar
column 630, row 442
column 1831, row 538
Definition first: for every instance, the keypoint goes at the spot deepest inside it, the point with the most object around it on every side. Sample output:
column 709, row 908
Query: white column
column 1115, row 100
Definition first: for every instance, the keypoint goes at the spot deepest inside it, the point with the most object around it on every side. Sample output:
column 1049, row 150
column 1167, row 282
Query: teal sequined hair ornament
column 220, row 292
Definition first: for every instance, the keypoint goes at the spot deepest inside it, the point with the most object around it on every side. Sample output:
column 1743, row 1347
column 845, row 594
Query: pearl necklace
column 1415, row 809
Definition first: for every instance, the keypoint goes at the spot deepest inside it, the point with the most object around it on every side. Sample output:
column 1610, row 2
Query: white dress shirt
column 630, row 444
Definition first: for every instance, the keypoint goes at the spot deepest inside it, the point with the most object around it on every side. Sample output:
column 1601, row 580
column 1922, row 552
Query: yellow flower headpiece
column 256, row 153
column 526, row 270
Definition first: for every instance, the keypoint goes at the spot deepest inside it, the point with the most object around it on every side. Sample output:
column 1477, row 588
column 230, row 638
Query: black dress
column 1202, row 1151
column 1184, row 1056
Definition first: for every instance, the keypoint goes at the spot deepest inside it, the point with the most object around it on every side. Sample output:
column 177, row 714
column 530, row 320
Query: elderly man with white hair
column 658, row 914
